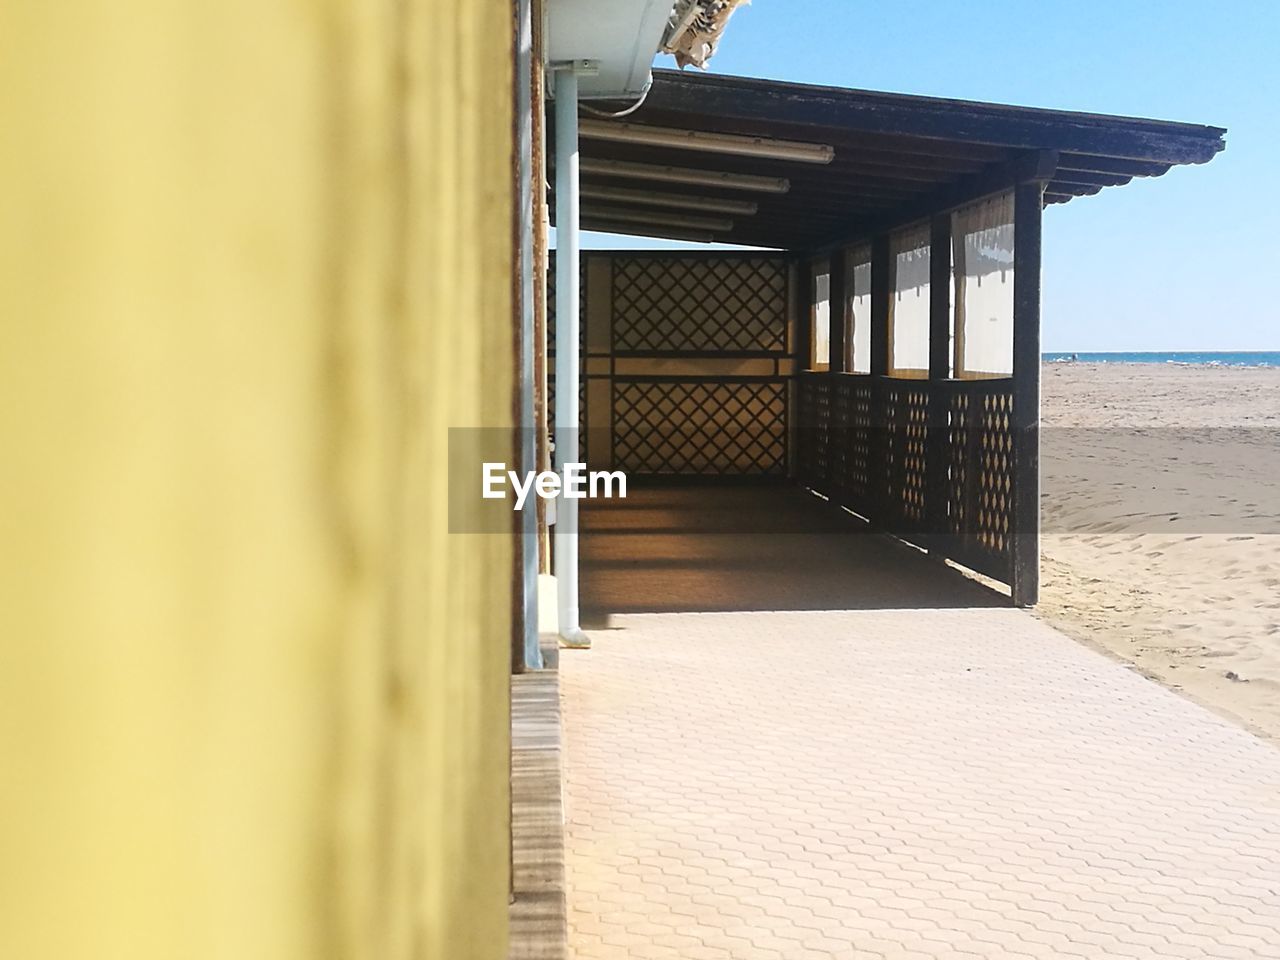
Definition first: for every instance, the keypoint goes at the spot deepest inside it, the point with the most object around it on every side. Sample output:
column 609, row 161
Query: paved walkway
column 903, row 784
column 918, row 774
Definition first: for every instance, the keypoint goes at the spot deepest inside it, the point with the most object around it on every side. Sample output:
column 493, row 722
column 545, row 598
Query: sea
column 1212, row 358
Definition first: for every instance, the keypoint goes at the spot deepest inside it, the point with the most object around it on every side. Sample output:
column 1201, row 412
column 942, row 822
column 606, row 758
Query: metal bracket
column 582, row 68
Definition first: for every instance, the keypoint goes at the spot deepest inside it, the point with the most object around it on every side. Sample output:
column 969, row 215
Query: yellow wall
column 253, row 696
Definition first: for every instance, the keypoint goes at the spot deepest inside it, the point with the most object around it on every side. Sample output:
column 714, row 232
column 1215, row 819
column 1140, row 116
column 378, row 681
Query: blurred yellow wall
column 254, row 260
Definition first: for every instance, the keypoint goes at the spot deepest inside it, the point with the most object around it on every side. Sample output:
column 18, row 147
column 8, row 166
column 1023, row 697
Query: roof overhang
column 893, row 158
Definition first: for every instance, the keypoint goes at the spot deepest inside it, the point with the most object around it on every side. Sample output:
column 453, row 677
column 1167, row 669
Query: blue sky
column 1189, row 260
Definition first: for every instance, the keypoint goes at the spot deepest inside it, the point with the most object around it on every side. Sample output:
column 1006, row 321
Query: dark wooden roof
column 897, row 157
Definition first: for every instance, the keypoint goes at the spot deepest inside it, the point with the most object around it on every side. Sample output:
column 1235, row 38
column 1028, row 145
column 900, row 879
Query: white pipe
column 568, row 324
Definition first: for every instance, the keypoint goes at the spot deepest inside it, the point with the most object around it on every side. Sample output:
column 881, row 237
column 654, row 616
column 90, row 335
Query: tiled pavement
column 903, row 784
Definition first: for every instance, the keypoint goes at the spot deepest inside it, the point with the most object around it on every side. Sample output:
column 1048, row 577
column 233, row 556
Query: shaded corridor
column 672, row 549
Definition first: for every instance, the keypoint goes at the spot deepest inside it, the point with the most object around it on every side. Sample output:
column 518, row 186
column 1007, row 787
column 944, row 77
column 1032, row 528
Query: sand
column 1161, row 506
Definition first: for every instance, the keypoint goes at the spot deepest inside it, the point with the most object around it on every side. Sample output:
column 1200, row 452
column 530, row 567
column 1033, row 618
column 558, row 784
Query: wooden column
column 881, row 302
column 881, row 295
column 836, row 311
column 800, row 431
column 940, row 297
column 939, row 371
column 1028, row 203
column 802, row 298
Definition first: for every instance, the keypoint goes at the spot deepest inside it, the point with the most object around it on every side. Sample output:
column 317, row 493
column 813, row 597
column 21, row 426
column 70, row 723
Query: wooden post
column 940, row 297
column 837, row 429
column 881, row 296
column 836, row 293
column 1028, row 203
column 881, row 302
column 798, row 304
column 803, row 300
column 935, row 503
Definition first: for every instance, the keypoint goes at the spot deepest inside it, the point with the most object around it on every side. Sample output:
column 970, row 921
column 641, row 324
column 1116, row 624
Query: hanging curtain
column 857, row 309
column 982, row 257
column 909, row 310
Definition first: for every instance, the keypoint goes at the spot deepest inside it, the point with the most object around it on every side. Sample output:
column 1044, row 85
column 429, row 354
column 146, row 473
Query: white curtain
column 909, row 316
column 821, row 316
column 857, row 330
column 982, row 256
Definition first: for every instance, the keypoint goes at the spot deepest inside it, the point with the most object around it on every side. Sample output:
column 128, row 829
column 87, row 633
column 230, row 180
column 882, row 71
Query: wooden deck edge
column 539, row 924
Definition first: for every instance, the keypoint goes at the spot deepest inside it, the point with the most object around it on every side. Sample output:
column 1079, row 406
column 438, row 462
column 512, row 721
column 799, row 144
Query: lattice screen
column 980, row 476
column 702, row 304
column 700, row 427
column 813, row 396
column 855, row 435
column 993, row 519
column 863, row 442
column 961, row 433
column 838, row 447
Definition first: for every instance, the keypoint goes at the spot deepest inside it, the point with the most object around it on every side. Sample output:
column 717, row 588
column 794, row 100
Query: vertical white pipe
column 568, row 323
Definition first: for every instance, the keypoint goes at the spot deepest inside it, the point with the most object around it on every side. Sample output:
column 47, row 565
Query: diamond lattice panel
column 906, row 424
column 852, row 437
column 814, row 438
column 958, row 472
column 993, row 519
column 820, row 433
column 838, row 438
column 703, row 427
column 804, row 422
column 690, row 305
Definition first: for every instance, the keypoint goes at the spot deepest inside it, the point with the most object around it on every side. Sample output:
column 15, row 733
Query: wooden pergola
column 945, row 460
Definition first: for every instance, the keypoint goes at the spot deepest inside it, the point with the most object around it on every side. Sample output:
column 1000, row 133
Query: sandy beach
column 1161, row 505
